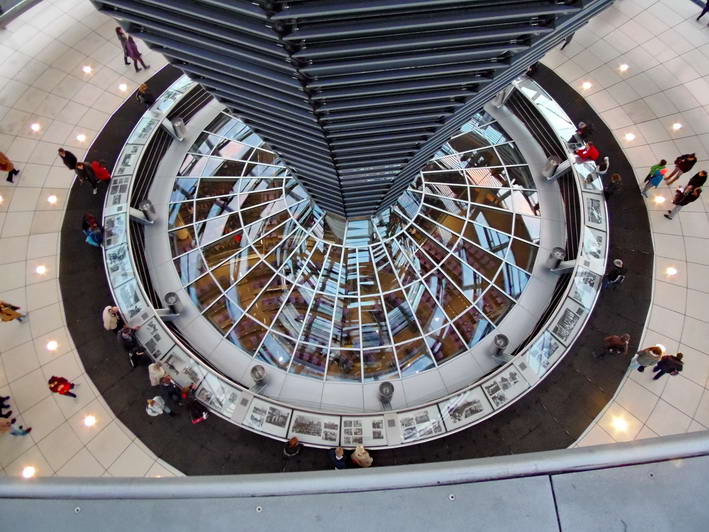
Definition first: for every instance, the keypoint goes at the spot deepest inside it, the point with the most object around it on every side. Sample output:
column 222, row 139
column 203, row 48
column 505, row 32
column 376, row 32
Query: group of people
column 683, row 195
column 652, row 356
column 86, row 172
column 9, row 423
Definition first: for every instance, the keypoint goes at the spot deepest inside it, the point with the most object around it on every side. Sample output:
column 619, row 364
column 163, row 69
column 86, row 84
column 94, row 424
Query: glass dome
column 359, row 300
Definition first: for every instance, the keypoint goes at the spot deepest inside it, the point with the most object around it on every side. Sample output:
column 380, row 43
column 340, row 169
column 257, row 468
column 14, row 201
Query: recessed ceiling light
column 41, row 269
column 1, row 199
column 81, row 137
column 662, row 347
column 87, row 69
column 52, row 199
column 123, row 87
column 620, row 424
column 630, row 137
column 676, row 126
column 52, row 345
column 659, row 199
column 29, row 471
column 671, row 271
column 90, row 421
column 35, row 127
column 623, row 68
column 586, row 85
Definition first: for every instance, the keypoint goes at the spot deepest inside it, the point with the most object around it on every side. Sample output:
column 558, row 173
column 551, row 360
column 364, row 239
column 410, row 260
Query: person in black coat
column 85, row 173
column 697, row 180
column 668, row 364
column 68, row 158
column 683, row 163
column 682, row 199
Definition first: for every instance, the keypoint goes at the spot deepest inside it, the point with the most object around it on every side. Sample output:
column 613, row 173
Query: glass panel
column 429, row 315
column 413, row 357
column 290, row 320
column 519, row 176
column 235, row 268
column 218, row 251
column 190, row 267
column 495, row 304
column 276, row 350
column 193, row 165
column 528, row 228
column 445, row 344
column 512, row 280
column 180, row 214
column 318, row 322
column 247, row 335
column 401, row 317
column 522, row 254
column 379, row 364
column 182, row 240
column 473, row 327
column 246, row 290
column 184, row 189
column 222, row 314
column 344, row 365
column 203, row 291
column 204, row 144
column 309, row 360
column 374, row 329
column 468, row 280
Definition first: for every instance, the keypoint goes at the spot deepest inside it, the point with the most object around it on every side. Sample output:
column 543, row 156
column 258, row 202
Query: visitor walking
column 6, row 165
column 145, row 95
column 9, row 312
column 9, row 425
column 614, row 185
column 68, row 158
column 92, row 230
column 654, row 178
column 615, row 345
column 100, row 171
column 588, row 153
column 616, row 275
column 361, row 457
column 648, row 357
column 155, row 373
column 704, row 10
column 683, row 163
column 697, row 180
column 682, row 199
column 338, row 458
column 85, row 173
column 156, row 407
column 112, row 319
column 292, row 448
column 170, row 391
column 4, row 406
column 123, row 39
column 134, row 54
column 126, row 336
column 61, row 386
column 137, row 356
column 668, row 364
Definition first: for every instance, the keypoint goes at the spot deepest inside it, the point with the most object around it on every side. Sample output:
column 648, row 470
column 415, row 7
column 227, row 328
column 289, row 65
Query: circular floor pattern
column 354, row 300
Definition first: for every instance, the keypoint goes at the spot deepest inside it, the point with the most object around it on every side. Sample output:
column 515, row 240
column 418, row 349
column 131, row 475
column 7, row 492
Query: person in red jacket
column 589, row 153
column 102, row 173
column 61, row 386
column 683, row 163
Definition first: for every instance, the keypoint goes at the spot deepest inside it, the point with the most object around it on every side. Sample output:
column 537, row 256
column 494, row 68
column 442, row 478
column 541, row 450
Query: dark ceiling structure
column 354, row 96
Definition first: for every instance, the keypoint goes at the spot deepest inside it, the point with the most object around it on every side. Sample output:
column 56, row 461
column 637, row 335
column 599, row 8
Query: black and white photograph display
column 461, row 410
column 568, row 321
column 505, row 386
